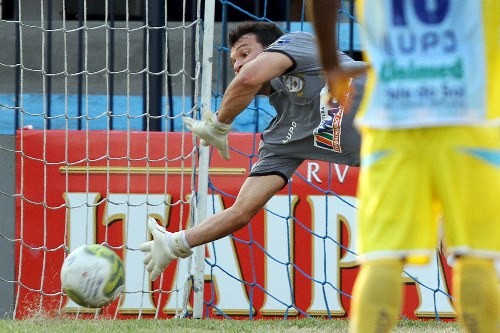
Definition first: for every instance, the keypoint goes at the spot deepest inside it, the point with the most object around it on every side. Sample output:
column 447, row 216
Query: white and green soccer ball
column 92, row 276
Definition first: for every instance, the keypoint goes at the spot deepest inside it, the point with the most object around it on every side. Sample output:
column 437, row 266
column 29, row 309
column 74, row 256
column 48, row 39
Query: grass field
column 199, row 326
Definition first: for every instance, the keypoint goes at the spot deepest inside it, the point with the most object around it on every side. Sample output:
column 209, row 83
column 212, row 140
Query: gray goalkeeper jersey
column 304, row 128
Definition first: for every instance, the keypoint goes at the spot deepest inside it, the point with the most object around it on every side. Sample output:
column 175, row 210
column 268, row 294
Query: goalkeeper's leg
column 377, row 296
column 477, row 294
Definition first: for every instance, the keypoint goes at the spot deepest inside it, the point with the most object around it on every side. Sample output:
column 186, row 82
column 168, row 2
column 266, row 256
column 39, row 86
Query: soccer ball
column 92, row 276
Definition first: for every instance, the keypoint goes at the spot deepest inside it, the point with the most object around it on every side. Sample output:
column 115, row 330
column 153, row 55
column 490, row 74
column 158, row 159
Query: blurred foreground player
column 430, row 145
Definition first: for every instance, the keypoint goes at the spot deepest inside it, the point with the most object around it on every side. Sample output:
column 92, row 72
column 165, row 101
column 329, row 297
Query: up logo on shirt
column 429, row 33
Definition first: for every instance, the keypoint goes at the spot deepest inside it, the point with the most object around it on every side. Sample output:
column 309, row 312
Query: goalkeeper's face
column 244, row 50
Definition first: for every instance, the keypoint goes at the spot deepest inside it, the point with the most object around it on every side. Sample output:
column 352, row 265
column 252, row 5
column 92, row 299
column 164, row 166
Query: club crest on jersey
column 294, row 84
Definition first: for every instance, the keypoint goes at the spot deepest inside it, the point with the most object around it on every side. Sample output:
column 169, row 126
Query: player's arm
column 213, row 128
column 325, row 15
column 338, row 76
column 245, row 86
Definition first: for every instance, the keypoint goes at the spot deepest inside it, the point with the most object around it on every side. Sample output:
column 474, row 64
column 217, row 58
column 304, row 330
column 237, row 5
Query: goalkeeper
column 287, row 69
column 431, row 145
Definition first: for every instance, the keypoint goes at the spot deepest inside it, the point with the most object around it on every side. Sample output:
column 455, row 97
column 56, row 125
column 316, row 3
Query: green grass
column 41, row 325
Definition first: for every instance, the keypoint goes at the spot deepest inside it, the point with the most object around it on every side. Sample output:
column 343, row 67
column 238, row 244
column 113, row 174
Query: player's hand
column 164, row 248
column 210, row 131
column 339, row 83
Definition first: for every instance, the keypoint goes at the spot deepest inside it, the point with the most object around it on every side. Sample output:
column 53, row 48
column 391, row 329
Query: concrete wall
column 128, row 59
column 96, row 40
column 128, row 47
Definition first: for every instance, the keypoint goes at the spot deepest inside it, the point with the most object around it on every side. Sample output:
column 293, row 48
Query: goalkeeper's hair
column 266, row 32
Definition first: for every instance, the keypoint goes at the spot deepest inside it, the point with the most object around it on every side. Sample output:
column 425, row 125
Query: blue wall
column 127, row 113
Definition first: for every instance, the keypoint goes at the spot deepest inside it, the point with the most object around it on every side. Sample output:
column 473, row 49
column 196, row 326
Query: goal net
column 92, row 144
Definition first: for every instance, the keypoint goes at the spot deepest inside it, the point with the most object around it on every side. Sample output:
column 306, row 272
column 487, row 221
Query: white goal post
column 204, row 159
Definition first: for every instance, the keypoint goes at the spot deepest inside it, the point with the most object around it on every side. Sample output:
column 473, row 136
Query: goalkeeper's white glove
column 210, row 131
column 164, row 248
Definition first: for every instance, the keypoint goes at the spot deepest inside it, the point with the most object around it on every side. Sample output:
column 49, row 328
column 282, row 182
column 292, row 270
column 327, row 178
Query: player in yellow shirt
column 430, row 125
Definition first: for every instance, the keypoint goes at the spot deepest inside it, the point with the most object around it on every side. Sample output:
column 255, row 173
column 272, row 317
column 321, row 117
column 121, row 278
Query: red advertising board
column 296, row 257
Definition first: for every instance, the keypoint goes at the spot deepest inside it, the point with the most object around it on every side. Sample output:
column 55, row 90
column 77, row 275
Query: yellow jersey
column 434, row 63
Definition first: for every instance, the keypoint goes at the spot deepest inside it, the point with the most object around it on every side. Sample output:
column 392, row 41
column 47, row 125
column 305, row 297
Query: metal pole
column 156, row 30
column 194, row 17
column 351, row 29
column 224, row 46
column 81, row 13
column 48, row 50
column 17, row 98
column 169, row 92
column 111, row 54
column 288, row 14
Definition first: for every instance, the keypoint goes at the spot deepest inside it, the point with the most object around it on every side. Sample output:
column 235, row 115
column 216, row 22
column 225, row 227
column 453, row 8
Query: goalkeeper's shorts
column 411, row 177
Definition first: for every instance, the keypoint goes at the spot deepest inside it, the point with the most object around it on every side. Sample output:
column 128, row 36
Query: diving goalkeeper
column 286, row 68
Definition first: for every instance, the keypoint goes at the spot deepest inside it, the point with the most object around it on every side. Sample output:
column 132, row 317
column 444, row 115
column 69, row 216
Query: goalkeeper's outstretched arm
column 253, row 73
